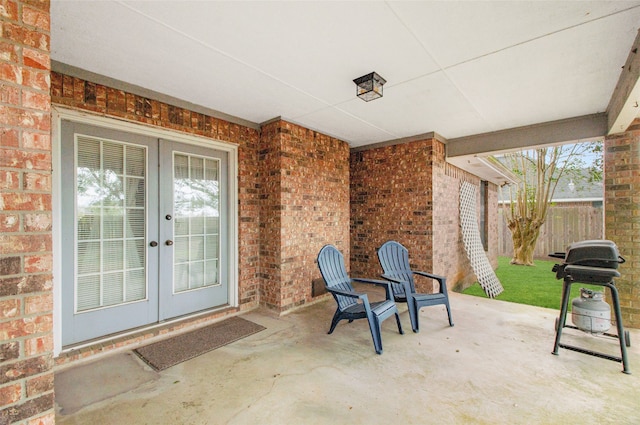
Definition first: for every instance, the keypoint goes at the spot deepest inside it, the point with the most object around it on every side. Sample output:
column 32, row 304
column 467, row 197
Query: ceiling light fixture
column 369, row 87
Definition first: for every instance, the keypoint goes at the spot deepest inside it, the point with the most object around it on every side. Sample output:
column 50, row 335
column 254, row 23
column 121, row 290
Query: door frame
column 60, row 113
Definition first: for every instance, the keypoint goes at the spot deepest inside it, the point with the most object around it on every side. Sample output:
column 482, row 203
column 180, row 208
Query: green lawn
column 533, row 285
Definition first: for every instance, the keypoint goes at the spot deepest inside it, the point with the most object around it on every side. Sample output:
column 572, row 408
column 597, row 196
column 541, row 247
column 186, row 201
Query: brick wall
column 305, row 195
column 391, row 198
column 449, row 256
column 622, row 214
column 408, row 193
column 270, row 225
column 26, row 301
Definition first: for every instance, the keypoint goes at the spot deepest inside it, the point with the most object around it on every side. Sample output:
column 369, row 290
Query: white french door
column 144, row 232
column 192, row 206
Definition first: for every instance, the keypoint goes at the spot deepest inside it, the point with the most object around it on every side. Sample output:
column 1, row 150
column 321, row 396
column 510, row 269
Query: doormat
column 169, row 352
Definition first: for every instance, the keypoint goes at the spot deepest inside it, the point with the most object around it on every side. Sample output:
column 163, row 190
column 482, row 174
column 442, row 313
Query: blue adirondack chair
column 394, row 259
column 355, row 305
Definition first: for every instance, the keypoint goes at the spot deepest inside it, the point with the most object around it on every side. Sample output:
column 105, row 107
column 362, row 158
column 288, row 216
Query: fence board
column 565, row 224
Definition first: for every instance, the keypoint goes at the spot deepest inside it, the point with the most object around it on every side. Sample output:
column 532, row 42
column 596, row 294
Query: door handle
column 153, row 243
column 169, row 242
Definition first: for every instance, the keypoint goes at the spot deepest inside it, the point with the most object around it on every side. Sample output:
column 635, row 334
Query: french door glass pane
column 110, row 223
column 196, row 215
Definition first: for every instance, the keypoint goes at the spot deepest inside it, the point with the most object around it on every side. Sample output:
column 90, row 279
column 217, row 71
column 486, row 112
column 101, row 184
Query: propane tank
column 590, row 313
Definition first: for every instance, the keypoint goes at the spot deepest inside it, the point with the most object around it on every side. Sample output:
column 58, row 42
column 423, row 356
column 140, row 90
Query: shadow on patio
column 494, row 367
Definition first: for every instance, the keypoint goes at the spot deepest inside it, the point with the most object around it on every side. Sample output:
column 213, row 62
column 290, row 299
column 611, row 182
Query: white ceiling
column 456, row 68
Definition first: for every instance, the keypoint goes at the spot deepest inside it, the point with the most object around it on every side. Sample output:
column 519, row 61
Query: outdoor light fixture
column 369, row 86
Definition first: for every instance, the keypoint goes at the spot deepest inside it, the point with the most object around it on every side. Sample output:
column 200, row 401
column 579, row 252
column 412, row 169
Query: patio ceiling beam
column 624, row 104
column 577, row 129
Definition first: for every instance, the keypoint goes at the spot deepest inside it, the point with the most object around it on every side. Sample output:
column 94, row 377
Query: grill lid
column 589, row 261
column 594, row 253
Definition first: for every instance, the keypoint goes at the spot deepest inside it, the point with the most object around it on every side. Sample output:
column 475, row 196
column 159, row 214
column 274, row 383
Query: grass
column 533, row 285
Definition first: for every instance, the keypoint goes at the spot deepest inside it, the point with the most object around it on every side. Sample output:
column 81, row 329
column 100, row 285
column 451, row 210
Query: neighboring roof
column 582, row 190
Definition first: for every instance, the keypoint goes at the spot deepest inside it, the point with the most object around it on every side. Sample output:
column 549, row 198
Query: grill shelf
column 595, row 263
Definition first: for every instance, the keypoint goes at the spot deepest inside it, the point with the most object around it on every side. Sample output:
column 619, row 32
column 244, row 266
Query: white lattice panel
column 473, row 244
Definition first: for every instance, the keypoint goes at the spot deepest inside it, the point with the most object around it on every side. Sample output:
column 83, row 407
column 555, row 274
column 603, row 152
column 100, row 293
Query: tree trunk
column 524, row 235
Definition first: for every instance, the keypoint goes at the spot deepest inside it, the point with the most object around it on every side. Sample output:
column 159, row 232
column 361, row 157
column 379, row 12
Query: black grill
column 595, row 262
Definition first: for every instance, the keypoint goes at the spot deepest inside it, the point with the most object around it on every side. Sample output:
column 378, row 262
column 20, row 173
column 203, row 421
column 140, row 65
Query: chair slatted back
column 331, row 264
column 394, row 259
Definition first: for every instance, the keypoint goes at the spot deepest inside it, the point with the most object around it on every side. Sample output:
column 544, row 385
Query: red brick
column 36, row 17
column 27, row 409
column 36, row 59
column 10, row 266
column 9, row 180
column 48, row 419
column 10, row 394
column 9, row 138
column 34, row 100
column 9, row 351
column 37, row 161
column 38, row 304
column 35, row 283
column 36, row 79
column 11, row 73
column 9, row 223
column 12, row 243
column 14, row 158
column 11, row 158
column 9, row 308
column 25, row 201
column 18, row 117
column 37, row 182
column 26, row 326
column 9, row 94
column 39, row 385
column 36, row 141
column 38, row 345
column 38, row 263
column 67, row 86
column 56, row 84
column 37, row 222
column 8, row 52
column 26, row 36
column 9, row 10
column 79, row 90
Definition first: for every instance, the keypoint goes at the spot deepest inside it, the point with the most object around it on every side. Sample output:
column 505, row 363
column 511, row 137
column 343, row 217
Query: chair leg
column 334, row 321
column 413, row 314
column 374, row 325
column 449, row 311
column 399, row 324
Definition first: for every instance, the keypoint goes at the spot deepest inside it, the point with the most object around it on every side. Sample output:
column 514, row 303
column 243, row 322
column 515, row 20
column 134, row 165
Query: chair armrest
column 349, row 294
column 391, row 278
column 371, row 281
column 383, row 283
column 441, row 279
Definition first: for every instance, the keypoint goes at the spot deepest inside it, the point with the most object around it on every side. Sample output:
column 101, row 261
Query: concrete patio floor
column 493, row 367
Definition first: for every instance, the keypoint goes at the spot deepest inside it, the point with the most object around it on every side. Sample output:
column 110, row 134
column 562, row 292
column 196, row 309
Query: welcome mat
column 169, row 352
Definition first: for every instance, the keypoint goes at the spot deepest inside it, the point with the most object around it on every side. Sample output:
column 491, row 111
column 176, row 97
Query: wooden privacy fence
column 565, row 224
